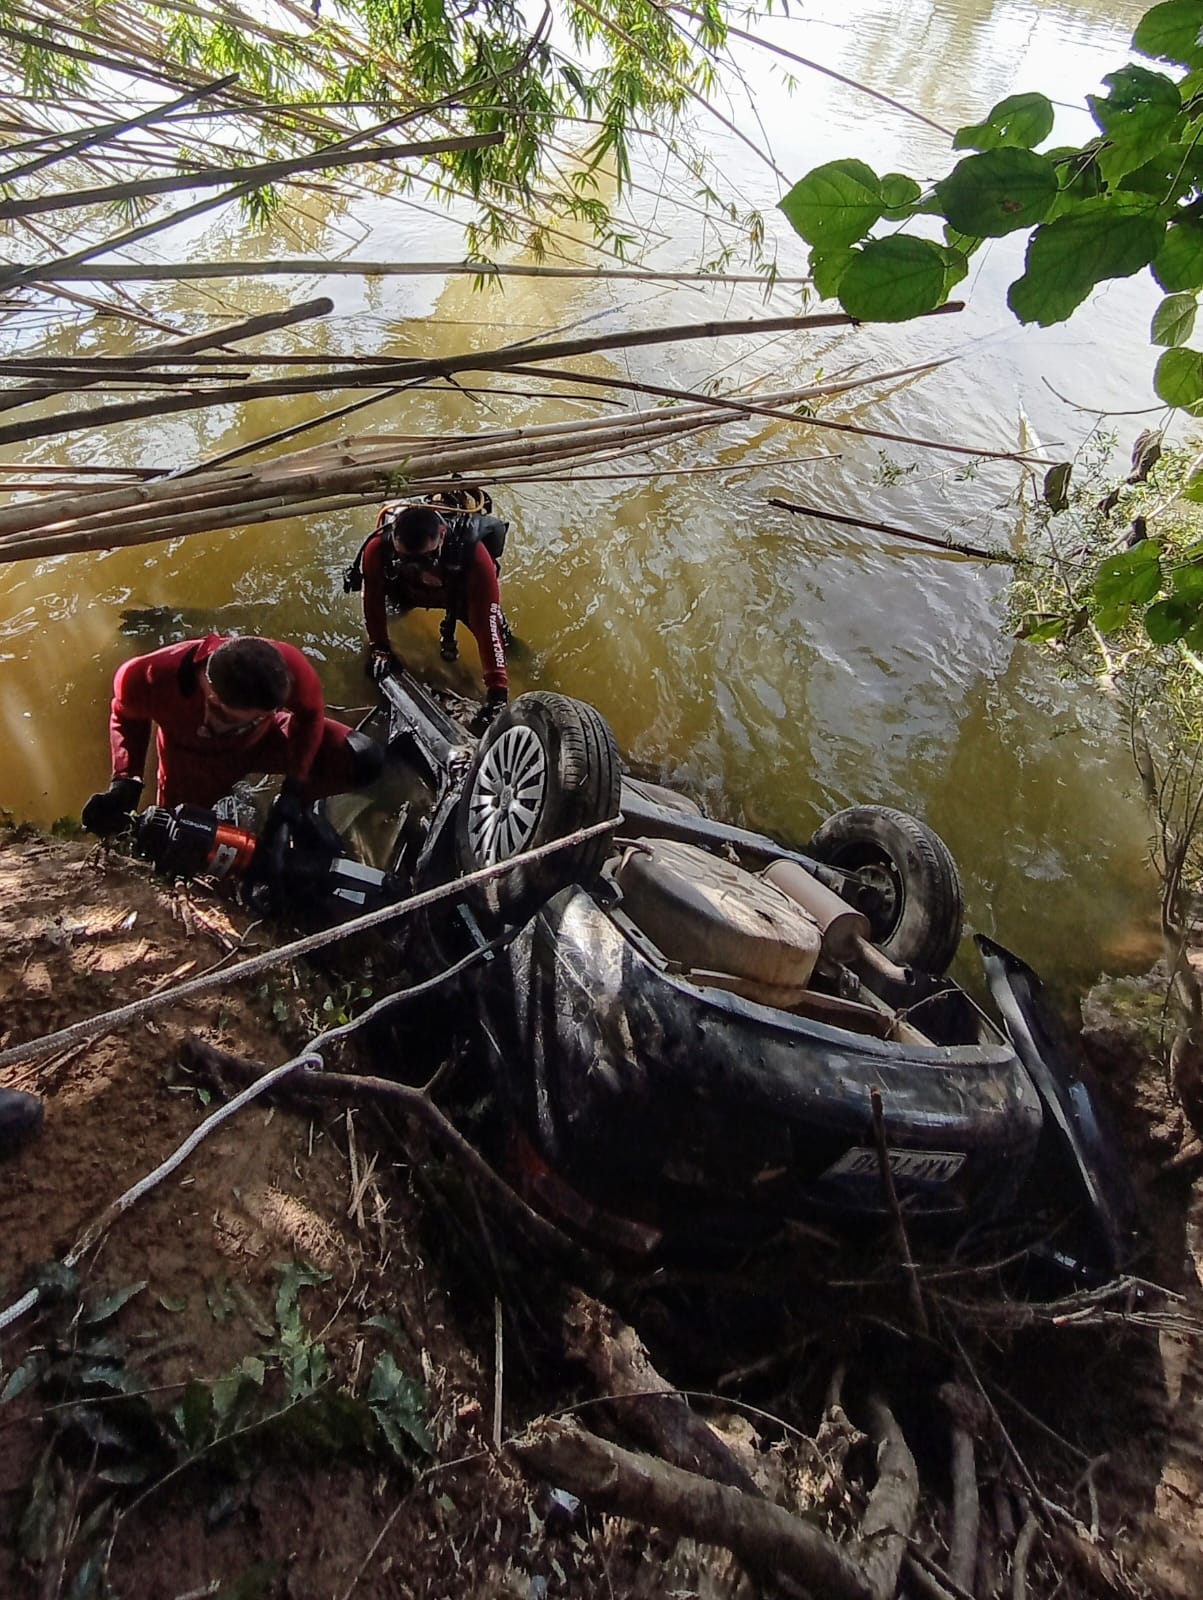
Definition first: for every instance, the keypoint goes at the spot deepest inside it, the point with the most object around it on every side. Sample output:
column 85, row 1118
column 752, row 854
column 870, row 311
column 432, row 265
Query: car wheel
column 916, row 909
column 546, row 767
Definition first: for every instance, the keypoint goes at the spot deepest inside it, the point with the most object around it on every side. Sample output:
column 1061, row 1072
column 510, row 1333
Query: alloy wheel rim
column 508, row 796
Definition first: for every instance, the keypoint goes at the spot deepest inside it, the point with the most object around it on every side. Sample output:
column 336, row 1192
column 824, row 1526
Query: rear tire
column 547, row 766
column 919, row 911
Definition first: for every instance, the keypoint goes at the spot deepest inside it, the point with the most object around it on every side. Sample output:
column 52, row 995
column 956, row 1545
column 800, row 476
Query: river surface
column 778, row 666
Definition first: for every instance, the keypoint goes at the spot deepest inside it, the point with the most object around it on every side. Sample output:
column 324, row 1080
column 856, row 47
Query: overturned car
column 697, row 1032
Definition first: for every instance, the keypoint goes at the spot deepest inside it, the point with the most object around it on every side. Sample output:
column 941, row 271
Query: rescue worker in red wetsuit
column 224, row 708
column 434, row 555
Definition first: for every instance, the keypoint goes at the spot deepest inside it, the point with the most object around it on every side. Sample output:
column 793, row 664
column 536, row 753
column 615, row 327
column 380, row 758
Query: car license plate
column 920, row 1166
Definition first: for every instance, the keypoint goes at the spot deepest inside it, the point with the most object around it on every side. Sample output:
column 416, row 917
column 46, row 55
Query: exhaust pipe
column 845, row 930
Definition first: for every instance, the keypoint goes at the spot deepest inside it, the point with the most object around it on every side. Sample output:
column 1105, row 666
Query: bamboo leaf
column 1021, row 120
column 999, row 192
column 834, row 205
column 1174, row 320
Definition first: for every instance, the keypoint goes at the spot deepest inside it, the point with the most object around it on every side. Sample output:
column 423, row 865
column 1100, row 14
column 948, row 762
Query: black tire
column 916, row 917
column 563, row 756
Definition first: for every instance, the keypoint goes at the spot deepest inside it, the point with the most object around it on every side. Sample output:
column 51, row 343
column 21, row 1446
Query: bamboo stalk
column 368, row 485
column 894, row 532
column 309, row 266
column 751, row 408
column 372, row 477
column 263, row 173
column 498, row 360
column 247, row 328
column 383, row 449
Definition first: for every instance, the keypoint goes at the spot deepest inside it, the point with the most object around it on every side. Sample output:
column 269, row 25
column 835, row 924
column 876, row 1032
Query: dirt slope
column 275, row 1375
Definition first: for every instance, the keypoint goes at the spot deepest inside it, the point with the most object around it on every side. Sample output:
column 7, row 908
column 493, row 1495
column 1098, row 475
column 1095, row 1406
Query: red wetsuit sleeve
column 375, row 619
column 307, row 704
column 130, row 718
column 484, row 618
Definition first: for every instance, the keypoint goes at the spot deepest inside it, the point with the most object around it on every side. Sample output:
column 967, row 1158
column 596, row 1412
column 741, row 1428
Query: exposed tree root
column 768, row 1540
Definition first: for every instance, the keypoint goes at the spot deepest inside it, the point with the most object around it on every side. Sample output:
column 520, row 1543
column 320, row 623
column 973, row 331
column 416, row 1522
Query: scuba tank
column 193, row 841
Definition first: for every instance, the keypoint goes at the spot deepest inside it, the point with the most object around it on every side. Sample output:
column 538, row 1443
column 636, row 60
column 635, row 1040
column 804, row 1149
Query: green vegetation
column 98, row 1406
column 1130, row 199
column 308, row 78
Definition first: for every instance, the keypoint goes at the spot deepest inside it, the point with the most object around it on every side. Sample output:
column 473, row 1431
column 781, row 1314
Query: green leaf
column 399, row 1406
column 1188, row 581
column 1139, row 115
column 993, row 194
column 233, row 1389
column 125, row 1472
column 1174, row 319
column 956, row 267
column 28, row 1372
column 893, row 279
column 1111, row 237
column 1171, row 33
column 192, row 1415
column 828, row 269
column 1130, row 579
column 108, row 1306
column 898, row 196
column 1021, row 120
column 1112, row 618
column 1167, row 620
column 1056, row 486
column 1178, row 263
column 962, row 242
column 1042, row 632
column 834, row 205
column 1178, row 379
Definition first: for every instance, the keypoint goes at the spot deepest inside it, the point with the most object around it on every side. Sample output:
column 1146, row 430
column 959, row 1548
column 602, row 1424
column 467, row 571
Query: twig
column 1038, row 1503
column 309, row 1056
column 498, row 1370
column 900, row 1235
column 763, row 1536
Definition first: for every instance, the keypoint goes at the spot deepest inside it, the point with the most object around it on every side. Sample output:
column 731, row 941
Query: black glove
column 265, row 881
column 381, row 661
column 495, row 702
column 108, row 812
column 287, row 810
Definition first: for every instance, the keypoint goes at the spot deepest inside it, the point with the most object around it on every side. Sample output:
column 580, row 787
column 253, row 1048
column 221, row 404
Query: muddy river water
column 778, row 666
